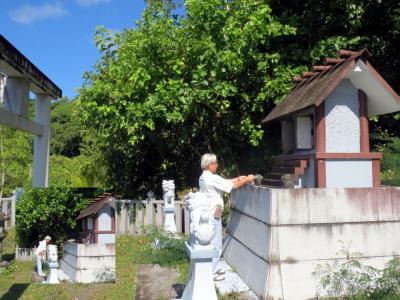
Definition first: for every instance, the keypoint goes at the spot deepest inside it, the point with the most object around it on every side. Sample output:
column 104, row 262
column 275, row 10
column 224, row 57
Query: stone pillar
column 13, row 207
column 52, row 278
column 41, row 143
column 16, row 95
column 364, row 131
column 200, row 283
column 169, row 205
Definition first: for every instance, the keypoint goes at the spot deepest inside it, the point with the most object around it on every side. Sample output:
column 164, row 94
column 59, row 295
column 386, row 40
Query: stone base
column 276, row 237
column 87, row 263
column 200, row 283
column 52, row 278
column 169, row 223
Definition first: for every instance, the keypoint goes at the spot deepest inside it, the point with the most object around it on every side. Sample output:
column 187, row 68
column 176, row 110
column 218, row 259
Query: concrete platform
column 276, row 237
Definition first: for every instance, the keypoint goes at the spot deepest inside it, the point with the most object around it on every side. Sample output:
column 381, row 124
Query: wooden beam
column 12, row 120
column 332, row 61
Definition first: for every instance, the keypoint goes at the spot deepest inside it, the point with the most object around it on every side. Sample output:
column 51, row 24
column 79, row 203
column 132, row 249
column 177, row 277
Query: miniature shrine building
column 97, row 221
column 324, row 123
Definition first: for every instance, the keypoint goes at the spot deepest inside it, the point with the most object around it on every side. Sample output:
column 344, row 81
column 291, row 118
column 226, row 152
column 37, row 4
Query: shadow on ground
column 15, row 291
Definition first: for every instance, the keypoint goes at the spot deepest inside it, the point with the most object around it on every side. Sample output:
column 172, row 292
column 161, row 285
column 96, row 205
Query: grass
column 131, row 251
column 15, row 282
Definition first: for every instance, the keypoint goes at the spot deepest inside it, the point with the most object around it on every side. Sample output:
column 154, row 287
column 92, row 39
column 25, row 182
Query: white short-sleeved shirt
column 214, row 186
column 42, row 247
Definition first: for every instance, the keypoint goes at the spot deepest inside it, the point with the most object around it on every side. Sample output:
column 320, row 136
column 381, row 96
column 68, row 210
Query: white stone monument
column 200, row 283
column 168, row 187
column 53, row 265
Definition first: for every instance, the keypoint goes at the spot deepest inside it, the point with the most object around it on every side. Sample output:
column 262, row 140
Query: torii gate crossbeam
column 19, row 77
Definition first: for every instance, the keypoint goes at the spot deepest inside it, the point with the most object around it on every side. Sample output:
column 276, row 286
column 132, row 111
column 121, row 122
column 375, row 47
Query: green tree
column 66, row 128
column 51, row 211
column 15, row 160
column 174, row 87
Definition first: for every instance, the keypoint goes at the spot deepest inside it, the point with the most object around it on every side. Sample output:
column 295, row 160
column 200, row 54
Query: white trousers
column 217, row 241
column 39, row 264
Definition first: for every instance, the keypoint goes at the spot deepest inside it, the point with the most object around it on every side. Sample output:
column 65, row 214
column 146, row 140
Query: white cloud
column 27, row 13
column 91, row 2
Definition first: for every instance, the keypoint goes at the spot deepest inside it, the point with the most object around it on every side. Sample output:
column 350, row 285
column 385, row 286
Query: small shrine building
column 324, row 121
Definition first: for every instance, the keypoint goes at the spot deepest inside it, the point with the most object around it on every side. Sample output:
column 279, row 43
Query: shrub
column 50, row 211
column 390, row 164
column 353, row 280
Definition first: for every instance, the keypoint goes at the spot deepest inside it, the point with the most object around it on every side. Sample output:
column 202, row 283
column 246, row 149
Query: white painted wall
column 106, row 238
column 342, row 119
column 86, row 263
column 104, row 220
column 283, row 234
column 348, row 173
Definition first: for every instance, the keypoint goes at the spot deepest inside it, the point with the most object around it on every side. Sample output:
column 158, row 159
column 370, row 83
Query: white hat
column 47, row 238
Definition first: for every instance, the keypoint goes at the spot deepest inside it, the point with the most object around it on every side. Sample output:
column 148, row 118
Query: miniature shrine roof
column 312, row 88
column 95, row 205
column 18, row 65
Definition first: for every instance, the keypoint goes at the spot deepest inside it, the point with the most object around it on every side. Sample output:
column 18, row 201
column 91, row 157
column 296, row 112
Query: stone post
column 169, row 205
column 200, row 283
column 42, row 142
column 13, row 207
column 53, row 265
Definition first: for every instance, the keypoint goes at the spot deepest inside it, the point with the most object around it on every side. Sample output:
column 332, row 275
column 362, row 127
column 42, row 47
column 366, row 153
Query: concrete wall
column 348, row 173
column 86, row 263
column 342, row 119
column 276, row 237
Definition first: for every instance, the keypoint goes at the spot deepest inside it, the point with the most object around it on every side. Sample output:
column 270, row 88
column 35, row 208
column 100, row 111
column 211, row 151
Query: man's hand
column 250, row 178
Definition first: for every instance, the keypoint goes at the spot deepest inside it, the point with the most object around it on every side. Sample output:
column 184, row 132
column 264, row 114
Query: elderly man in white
column 40, row 253
column 214, row 186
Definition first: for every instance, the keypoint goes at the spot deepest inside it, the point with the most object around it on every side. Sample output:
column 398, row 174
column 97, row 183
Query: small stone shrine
column 98, row 220
column 324, row 121
column 92, row 257
column 324, row 190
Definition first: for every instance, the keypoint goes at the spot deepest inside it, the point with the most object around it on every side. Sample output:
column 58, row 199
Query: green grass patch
column 131, row 251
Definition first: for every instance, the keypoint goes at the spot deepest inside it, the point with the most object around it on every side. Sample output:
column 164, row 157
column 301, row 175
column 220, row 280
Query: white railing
column 134, row 215
column 24, row 253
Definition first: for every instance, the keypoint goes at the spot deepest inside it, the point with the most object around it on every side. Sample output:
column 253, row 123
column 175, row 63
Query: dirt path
column 157, row 283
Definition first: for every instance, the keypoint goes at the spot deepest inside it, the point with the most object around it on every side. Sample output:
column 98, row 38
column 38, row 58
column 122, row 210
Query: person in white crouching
column 214, row 186
column 40, row 254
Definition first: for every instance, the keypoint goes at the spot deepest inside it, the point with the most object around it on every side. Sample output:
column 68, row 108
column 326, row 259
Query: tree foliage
column 15, row 160
column 174, row 87
column 51, row 211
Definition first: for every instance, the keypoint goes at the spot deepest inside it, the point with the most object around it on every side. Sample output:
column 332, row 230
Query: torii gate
column 19, row 77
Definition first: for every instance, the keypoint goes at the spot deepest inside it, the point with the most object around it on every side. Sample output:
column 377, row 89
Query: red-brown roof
column 95, row 205
column 312, row 88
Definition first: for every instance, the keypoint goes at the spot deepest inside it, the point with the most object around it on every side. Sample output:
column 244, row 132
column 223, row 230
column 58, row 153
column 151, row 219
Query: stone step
column 273, row 182
column 281, row 176
column 288, row 170
column 302, row 163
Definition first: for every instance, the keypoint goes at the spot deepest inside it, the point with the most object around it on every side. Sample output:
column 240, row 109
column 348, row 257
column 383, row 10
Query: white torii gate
column 19, row 77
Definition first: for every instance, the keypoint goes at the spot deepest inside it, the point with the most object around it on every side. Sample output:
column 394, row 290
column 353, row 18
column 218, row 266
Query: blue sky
column 57, row 36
